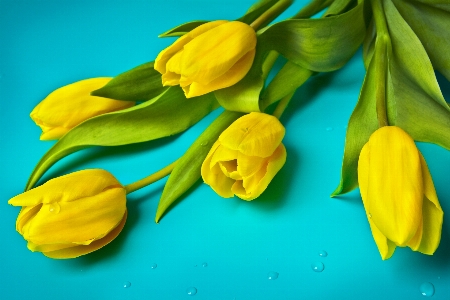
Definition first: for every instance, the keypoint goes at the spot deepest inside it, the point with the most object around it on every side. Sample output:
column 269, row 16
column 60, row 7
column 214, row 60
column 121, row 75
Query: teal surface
column 224, row 248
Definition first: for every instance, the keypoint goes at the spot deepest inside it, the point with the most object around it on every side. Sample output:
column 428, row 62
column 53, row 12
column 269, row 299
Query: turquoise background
column 48, row 44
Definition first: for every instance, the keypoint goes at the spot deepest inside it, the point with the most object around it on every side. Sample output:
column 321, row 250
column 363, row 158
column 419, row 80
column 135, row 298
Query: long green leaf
column 430, row 21
column 165, row 115
column 182, row 29
column 319, row 45
column 414, row 100
column 138, row 84
column 187, row 170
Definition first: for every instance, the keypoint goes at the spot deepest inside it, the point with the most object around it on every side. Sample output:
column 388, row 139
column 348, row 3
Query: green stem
column 281, row 106
column 268, row 63
column 150, row 179
column 381, row 46
column 270, row 14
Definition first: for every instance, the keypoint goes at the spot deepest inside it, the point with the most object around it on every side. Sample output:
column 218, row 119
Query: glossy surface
column 47, row 44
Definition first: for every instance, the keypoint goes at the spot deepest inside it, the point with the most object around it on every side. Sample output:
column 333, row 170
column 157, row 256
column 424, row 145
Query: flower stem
column 312, row 8
column 270, row 14
column 281, row 106
column 381, row 46
column 150, row 179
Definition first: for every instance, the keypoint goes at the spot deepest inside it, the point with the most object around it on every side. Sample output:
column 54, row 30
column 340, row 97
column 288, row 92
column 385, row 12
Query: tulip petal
column 25, row 215
column 223, row 154
column 55, row 114
column 255, row 134
column 385, row 246
column 432, row 214
column 204, row 58
column 256, row 184
column 229, row 78
column 249, row 165
column 213, row 176
column 93, row 217
column 67, row 188
column 394, row 192
column 229, row 168
column 76, row 251
column 164, row 56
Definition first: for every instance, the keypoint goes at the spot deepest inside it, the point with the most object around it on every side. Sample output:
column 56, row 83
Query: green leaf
column 162, row 116
column 244, row 95
column 319, row 45
column 414, row 100
column 420, row 107
column 187, row 170
column 182, row 29
column 286, row 81
column 430, row 21
column 363, row 122
column 138, row 84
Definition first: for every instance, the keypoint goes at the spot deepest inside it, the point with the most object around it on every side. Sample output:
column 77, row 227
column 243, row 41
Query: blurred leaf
column 165, row 115
column 414, row 100
column 287, row 80
column 187, row 170
column 430, row 21
column 319, row 45
column 138, row 84
column 182, row 29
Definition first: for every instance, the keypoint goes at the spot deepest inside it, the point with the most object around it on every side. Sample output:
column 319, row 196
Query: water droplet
column 323, row 253
column 191, row 291
column 317, row 266
column 329, row 128
column 126, row 284
column 272, row 275
column 427, row 289
column 439, row 277
column 153, row 266
column 204, row 143
column 54, row 208
column 370, row 215
column 204, row 265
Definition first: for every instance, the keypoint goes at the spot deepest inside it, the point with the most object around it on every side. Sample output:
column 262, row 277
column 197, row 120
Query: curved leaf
column 165, row 115
column 182, row 29
column 319, row 45
column 138, row 84
column 187, row 170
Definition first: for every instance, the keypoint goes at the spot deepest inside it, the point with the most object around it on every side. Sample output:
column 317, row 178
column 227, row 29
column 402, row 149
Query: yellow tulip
column 72, row 215
column 246, row 157
column 398, row 193
column 72, row 104
column 212, row 56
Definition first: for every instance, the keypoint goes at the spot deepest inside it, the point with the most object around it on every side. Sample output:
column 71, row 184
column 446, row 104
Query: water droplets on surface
column 427, row 289
column 126, row 284
column 204, row 265
column 54, row 208
column 191, row 291
column 329, row 128
column 153, row 266
column 204, row 143
column 317, row 267
column 323, row 253
column 272, row 275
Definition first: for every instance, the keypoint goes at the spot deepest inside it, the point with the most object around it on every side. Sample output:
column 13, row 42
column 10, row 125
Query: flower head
column 213, row 56
column 246, row 157
column 72, row 215
column 72, row 104
column 398, row 193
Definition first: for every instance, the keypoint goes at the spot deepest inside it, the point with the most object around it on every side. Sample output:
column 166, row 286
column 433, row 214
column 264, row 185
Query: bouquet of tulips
column 226, row 63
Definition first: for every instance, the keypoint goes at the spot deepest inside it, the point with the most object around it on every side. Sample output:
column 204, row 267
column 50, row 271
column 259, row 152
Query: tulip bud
column 213, row 56
column 246, row 157
column 72, row 104
column 398, row 193
column 72, row 215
